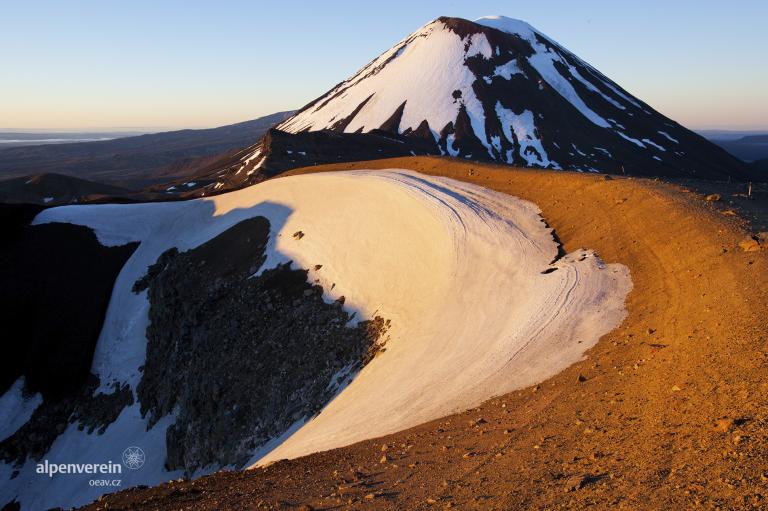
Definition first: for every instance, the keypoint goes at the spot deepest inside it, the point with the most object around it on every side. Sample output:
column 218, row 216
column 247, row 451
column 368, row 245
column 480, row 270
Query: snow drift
column 479, row 301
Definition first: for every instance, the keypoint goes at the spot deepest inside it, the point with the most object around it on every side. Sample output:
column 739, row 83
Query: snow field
column 463, row 273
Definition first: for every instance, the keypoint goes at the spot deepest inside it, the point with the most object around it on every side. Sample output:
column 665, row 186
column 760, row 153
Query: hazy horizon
column 159, row 129
column 158, row 67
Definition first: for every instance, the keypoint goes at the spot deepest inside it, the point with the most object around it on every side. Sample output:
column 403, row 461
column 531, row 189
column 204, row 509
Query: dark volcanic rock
column 279, row 151
column 51, row 418
column 57, row 280
column 15, row 218
column 240, row 357
column 55, row 189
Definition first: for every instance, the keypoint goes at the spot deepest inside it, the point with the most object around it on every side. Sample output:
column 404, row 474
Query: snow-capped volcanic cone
column 498, row 89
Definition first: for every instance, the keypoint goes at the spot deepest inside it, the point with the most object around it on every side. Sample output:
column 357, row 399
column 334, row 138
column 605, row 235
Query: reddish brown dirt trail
column 666, row 412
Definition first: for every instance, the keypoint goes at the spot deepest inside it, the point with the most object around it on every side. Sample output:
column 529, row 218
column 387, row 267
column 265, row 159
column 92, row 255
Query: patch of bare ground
column 747, row 200
column 667, row 412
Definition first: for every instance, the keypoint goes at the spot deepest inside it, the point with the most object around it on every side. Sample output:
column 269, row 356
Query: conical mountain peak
column 497, row 89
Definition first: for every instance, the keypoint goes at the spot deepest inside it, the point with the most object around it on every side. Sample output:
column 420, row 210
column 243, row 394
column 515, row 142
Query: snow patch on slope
column 667, row 135
column 543, row 60
column 39, row 491
column 380, row 236
column 524, row 129
column 654, row 144
column 16, row 409
column 452, row 353
column 630, row 139
column 428, row 69
column 507, row 70
column 478, row 44
column 527, row 32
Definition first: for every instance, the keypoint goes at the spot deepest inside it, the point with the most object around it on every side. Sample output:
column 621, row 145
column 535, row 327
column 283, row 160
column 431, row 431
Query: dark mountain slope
column 498, row 90
column 749, row 148
column 133, row 162
column 55, row 189
column 761, row 166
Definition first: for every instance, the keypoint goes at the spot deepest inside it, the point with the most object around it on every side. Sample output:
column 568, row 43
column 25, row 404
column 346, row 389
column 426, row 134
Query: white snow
column 449, row 145
column 39, row 491
column 604, row 151
column 664, row 133
column 525, row 130
column 47, row 199
column 455, row 267
column 543, row 60
column 611, row 85
column 654, row 144
column 509, row 25
column 451, row 347
column 433, row 62
column 630, row 139
column 617, row 124
column 496, row 143
column 425, row 69
column 16, row 409
column 255, row 154
column 577, row 149
column 478, row 44
column 507, row 70
column 575, row 73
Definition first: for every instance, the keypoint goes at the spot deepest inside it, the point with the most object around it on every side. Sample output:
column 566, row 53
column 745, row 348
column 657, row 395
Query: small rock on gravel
column 749, row 245
column 724, row 425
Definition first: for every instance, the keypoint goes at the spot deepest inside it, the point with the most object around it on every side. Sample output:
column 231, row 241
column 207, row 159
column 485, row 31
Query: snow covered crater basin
column 465, row 274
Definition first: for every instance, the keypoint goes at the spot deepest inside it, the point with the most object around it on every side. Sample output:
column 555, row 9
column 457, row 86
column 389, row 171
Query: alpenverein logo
column 133, row 458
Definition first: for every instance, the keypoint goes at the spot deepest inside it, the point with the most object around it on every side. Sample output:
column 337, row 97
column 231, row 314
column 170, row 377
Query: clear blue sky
column 110, row 63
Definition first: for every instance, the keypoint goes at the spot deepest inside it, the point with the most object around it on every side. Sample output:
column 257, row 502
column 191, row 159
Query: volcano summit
column 497, row 89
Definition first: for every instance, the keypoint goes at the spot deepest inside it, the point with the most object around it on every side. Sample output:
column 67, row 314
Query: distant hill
column 278, row 151
column 761, row 165
column 748, row 148
column 54, row 189
column 133, row 162
column 21, row 138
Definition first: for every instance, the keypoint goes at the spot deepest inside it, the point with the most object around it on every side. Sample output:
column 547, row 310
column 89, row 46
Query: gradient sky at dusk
column 168, row 64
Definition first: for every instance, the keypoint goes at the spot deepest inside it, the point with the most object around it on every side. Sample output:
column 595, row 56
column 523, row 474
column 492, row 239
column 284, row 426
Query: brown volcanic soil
column 667, row 412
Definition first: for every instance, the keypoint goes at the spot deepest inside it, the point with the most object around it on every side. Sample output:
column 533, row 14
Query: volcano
column 497, row 89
